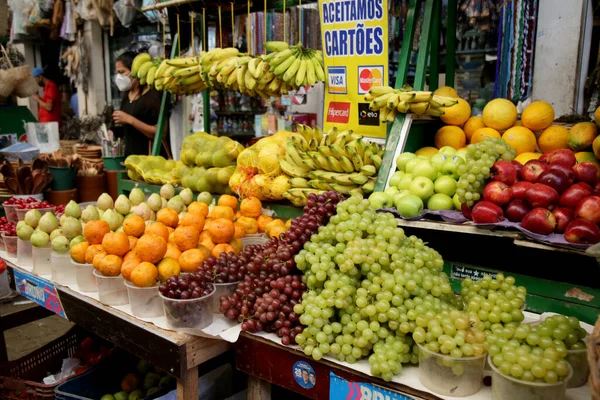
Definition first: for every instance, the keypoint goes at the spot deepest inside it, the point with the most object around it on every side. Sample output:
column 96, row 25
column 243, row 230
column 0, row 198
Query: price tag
column 38, row 290
column 463, row 271
column 341, row 389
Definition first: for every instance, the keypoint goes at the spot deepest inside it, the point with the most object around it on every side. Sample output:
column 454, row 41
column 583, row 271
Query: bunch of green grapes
column 559, row 327
column 494, row 300
column 480, row 159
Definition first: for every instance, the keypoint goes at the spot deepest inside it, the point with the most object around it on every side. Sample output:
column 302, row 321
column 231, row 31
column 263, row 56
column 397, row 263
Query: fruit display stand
column 178, row 354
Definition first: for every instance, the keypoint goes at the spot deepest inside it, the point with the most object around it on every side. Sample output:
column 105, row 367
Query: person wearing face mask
column 50, row 101
column 139, row 110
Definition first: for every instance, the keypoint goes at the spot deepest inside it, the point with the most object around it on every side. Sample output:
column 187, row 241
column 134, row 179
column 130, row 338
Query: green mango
column 136, row 395
column 121, row 396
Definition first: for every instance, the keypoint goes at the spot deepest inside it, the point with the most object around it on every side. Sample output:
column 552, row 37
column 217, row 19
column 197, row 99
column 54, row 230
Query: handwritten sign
column 463, row 271
column 38, row 290
column 341, row 389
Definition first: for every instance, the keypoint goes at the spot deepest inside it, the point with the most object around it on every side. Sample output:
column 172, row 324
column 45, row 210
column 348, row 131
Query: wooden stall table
column 176, row 353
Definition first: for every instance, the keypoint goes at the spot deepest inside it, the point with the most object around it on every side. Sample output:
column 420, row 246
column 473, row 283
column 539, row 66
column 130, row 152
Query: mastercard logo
column 368, row 77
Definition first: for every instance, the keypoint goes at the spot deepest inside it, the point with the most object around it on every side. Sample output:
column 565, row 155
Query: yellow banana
column 291, row 71
column 301, row 74
column 380, row 90
column 138, row 61
column 311, row 76
column 183, row 62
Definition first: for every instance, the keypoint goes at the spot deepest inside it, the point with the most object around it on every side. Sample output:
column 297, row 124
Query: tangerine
column 172, row 251
column 168, row 216
column 222, row 248
column 195, row 220
column 191, row 259
column 221, row 230
column 78, row 252
column 205, row 250
column 97, row 258
column 208, row 243
column 167, row 268
column 110, row 265
column 92, row 251
column 132, row 242
column 239, row 230
column 157, row 229
column 222, row 212
column 237, row 245
column 116, row 243
column 129, row 265
column 250, row 225
column 186, row 237
column 144, row 274
column 134, row 225
column 263, row 220
column 151, row 248
column 276, row 231
column 251, row 207
column 94, row 231
column 228, row 201
column 198, row 208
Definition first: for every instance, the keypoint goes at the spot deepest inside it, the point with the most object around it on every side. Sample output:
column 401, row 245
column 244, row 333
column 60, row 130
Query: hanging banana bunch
column 389, row 101
column 295, row 65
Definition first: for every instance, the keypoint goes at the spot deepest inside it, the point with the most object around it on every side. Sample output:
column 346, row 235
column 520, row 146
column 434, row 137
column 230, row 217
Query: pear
column 154, row 202
column 136, row 196
column 105, row 202
column 24, row 230
column 73, row 210
column 143, row 211
column 90, row 214
column 122, row 205
column 167, row 191
column 32, row 218
column 76, row 240
column 48, row 223
column 205, row 197
column 39, row 238
column 55, row 233
column 187, row 196
column 176, row 203
column 112, row 217
column 60, row 244
column 71, row 227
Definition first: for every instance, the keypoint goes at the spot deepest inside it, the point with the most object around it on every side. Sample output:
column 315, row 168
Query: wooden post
column 434, row 53
column 451, row 42
column 409, row 34
column 162, row 116
column 258, row 389
column 423, row 57
column 187, row 385
column 94, row 101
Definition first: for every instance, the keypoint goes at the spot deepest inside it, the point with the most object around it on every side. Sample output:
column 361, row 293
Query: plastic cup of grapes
column 222, row 289
column 187, row 302
column 450, row 376
column 145, row 301
column 258, row 239
column 507, row 387
column 10, row 242
column 84, row 276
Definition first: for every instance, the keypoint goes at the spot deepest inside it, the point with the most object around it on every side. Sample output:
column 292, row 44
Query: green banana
column 298, row 182
column 369, row 186
column 376, row 160
column 347, row 165
column 368, row 170
column 319, row 184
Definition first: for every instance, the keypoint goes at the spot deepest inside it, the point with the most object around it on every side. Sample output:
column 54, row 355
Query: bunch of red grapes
column 9, row 228
column 28, row 204
column 265, row 298
column 190, row 286
column 59, row 210
column 229, row 267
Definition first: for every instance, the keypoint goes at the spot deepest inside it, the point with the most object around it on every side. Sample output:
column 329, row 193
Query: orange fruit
column 276, row 231
column 250, row 225
column 553, row 138
column 237, row 245
column 457, row 114
column 205, row 234
column 110, row 265
column 157, row 229
column 129, row 265
column 129, row 255
column 596, row 147
column 222, row 248
column 191, row 259
column 538, row 115
column 94, row 231
column 471, row 126
column 221, row 230
column 251, row 207
column 92, row 251
column 130, row 382
column 205, row 250
column 132, row 242
column 482, row 133
column 263, row 220
column 426, row 151
column 186, row 237
column 597, row 116
column 520, row 138
column 273, row 224
column 116, row 243
column 198, row 208
column 239, row 230
column 78, row 252
column 151, row 248
column 207, row 222
column 172, row 251
column 167, row 268
column 168, row 216
column 499, row 114
column 228, row 201
column 134, row 226
column 446, row 91
column 195, row 220
column 238, row 215
column 222, row 212
column 144, row 274
column 451, row 136
column 288, row 223
column 97, row 258
column 208, row 243
column 582, row 135
column 524, row 157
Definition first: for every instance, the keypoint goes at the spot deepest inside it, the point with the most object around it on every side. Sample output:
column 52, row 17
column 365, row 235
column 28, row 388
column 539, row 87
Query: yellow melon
column 524, row 157
column 446, row 91
column 451, row 136
column 480, row 134
column 597, row 116
column 499, row 114
column 582, row 135
column 552, row 138
column 426, row 151
column 596, row 146
column 538, row 115
column 520, row 138
column 457, row 114
column 472, row 125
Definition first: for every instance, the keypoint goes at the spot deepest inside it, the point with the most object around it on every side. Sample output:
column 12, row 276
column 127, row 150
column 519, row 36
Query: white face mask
column 123, row 82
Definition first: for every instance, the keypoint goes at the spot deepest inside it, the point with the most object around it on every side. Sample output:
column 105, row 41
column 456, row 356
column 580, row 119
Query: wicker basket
column 6, row 84
column 593, row 350
column 68, row 147
column 27, row 87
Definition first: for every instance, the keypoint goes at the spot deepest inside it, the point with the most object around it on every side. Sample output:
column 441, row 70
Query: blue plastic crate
column 104, row 379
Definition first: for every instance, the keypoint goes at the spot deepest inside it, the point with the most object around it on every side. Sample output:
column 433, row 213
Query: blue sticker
column 341, row 389
column 304, row 374
column 40, row 291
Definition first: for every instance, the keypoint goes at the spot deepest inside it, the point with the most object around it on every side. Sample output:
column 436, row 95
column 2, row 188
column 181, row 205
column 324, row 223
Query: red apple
column 540, row 195
column 573, row 195
column 586, row 172
column 596, row 189
column 582, row 231
column 504, row 171
column 554, row 178
column 498, row 193
column 561, row 156
column 539, row 220
column 589, row 208
column 516, row 210
column 563, row 216
column 567, row 171
column 519, row 167
column 486, row 212
column 532, row 169
column 2, row 266
column 520, row 188
column 466, row 211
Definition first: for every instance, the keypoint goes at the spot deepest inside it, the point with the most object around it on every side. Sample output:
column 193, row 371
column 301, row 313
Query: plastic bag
column 20, row 9
column 126, row 11
column 85, row 9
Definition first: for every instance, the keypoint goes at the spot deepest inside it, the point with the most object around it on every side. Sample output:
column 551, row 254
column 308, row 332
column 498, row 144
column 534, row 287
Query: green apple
column 450, row 166
column 445, row 184
column 438, row 160
column 391, row 191
column 425, row 168
column 411, row 163
column 456, row 202
column 422, row 187
column 449, row 150
column 405, row 181
column 403, row 159
column 462, row 153
column 400, row 195
column 440, row 201
column 380, row 200
column 409, row 206
column 395, row 179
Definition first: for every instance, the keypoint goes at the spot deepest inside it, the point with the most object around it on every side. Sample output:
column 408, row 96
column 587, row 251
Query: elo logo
column 369, row 76
column 338, row 112
column 336, row 78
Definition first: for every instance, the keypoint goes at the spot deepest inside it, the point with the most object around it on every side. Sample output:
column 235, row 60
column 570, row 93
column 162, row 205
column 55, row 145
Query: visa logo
column 336, row 79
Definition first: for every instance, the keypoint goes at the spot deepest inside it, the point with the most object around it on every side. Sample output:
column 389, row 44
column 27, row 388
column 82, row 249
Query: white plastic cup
column 145, row 301
column 259, row 238
column 41, row 260
column 4, row 285
column 10, row 242
column 222, row 289
column 581, row 367
column 506, row 387
column 191, row 314
column 25, row 253
column 111, row 290
column 449, row 376
column 84, row 276
column 63, row 271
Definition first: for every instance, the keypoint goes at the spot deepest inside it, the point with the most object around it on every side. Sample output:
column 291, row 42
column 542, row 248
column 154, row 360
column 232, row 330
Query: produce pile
column 151, row 169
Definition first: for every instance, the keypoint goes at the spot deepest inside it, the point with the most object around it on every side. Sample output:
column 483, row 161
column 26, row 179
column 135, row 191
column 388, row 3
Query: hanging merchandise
column 68, row 28
column 75, row 64
column 20, row 10
column 126, row 11
column 58, row 15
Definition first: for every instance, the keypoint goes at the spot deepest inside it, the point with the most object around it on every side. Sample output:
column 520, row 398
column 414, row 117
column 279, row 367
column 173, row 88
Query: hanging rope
column 248, row 28
column 232, row 27
column 204, row 28
column 299, row 21
column 265, row 24
column 284, row 30
column 193, row 17
column 220, row 30
column 164, row 32
column 178, row 35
